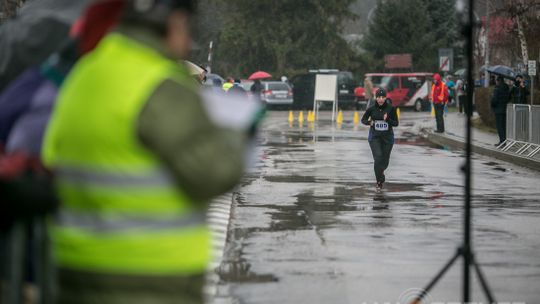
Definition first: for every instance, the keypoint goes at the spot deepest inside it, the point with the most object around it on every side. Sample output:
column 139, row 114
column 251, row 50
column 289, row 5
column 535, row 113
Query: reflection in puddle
column 301, row 137
column 240, row 272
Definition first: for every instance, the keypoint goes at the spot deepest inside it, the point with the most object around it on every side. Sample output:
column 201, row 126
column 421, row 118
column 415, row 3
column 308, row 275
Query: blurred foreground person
column 137, row 158
column 27, row 195
column 381, row 117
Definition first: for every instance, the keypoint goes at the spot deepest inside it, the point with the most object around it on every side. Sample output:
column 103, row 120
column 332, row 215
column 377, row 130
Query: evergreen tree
column 419, row 27
column 283, row 36
column 443, row 22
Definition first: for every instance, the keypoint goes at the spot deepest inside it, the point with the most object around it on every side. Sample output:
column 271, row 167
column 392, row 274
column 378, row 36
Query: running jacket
column 380, row 127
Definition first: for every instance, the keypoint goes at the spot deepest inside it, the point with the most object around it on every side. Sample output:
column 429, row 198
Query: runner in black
column 381, row 117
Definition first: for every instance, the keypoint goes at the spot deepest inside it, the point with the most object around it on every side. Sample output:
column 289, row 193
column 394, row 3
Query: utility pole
column 209, row 67
column 486, row 57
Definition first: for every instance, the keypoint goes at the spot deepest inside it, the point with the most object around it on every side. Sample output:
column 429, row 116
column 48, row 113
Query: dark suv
column 304, row 88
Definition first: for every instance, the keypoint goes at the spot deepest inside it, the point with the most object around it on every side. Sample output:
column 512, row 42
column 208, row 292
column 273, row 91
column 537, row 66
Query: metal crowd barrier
column 535, row 125
column 522, row 130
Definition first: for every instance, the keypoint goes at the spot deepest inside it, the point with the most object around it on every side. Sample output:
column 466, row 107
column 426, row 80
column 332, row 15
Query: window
column 393, row 84
column 278, row 86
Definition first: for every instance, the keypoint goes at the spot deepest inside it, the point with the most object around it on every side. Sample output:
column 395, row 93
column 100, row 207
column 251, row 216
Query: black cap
column 144, row 6
column 380, row 92
column 154, row 13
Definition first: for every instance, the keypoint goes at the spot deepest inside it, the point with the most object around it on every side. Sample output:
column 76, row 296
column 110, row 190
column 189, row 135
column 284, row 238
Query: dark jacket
column 375, row 115
column 237, row 90
column 501, row 96
column 519, row 94
column 256, row 87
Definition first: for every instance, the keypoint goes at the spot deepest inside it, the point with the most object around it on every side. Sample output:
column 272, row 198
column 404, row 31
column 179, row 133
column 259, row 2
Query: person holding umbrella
column 501, row 96
column 257, row 87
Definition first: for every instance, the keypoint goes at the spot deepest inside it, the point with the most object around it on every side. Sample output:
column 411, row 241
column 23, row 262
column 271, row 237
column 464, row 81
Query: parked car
column 403, row 89
column 304, row 88
column 276, row 93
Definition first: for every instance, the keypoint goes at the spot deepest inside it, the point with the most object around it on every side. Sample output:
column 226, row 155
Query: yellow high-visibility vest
column 121, row 211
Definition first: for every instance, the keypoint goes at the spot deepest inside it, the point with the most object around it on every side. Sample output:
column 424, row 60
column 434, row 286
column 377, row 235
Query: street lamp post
column 486, row 57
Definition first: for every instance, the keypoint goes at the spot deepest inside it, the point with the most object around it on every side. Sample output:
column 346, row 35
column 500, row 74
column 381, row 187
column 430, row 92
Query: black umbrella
column 502, row 70
column 460, row 73
column 39, row 29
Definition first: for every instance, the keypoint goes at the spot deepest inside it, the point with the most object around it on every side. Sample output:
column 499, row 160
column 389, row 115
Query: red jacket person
column 439, row 97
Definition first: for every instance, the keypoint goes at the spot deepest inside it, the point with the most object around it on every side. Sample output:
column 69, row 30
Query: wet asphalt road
column 308, row 225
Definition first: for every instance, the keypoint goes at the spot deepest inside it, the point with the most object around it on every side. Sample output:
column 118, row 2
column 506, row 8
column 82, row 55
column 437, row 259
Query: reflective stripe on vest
column 121, row 213
column 71, row 175
column 124, row 222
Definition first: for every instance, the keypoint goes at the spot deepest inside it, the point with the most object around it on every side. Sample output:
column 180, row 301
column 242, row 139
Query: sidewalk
column 482, row 141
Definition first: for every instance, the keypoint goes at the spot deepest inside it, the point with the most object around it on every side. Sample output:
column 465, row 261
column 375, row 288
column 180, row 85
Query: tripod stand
column 465, row 250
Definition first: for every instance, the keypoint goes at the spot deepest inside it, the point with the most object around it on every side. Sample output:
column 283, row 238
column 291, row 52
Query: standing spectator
column 228, row 84
column 519, row 92
column 461, row 95
column 368, row 92
column 439, row 98
column 136, row 160
column 216, row 86
column 501, row 96
column 286, row 80
column 256, row 89
column 451, row 87
column 237, row 89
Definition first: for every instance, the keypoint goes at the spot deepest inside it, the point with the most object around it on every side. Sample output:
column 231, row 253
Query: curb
column 458, row 143
column 218, row 217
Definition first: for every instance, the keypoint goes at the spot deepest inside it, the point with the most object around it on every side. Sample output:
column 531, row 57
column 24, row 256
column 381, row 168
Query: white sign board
column 325, row 90
column 532, row 67
column 325, row 87
column 444, row 63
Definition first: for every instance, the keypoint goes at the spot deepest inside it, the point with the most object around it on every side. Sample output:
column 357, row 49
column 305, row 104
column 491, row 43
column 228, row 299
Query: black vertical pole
column 468, row 164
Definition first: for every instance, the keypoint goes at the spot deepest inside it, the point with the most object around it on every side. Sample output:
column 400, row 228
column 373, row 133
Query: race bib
column 380, row 125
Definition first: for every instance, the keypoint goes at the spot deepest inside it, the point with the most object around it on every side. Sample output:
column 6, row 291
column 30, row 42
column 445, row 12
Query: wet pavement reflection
column 308, row 225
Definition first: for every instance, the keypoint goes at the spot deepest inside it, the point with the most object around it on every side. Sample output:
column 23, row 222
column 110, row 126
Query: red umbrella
column 259, row 75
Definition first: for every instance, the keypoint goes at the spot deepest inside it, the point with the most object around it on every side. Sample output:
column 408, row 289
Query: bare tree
column 525, row 13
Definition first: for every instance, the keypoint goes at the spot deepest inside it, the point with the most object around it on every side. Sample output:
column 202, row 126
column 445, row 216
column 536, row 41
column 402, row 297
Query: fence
column 522, row 130
column 523, row 123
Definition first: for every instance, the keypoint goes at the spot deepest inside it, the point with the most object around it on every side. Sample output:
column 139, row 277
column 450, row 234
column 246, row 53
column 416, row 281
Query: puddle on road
column 312, row 211
column 297, row 138
column 495, row 166
column 240, row 271
column 409, row 138
column 293, row 179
